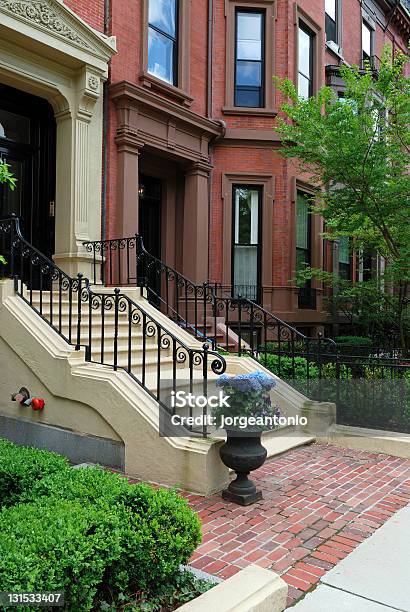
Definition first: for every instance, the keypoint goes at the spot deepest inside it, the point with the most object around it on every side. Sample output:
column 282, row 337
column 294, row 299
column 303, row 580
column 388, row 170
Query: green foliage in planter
column 184, row 587
column 158, row 532
column 58, row 545
column 21, row 467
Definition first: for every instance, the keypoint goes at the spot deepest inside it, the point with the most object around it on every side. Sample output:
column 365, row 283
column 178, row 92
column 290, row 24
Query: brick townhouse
column 157, row 117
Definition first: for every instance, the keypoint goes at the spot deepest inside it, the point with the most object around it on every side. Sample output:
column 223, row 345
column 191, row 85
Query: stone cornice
column 128, row 94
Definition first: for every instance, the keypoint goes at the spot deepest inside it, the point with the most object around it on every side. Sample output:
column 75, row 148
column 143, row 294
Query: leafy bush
column 288, row 368
column 354, row 340
column 180, row 590
column 57, row 545
column 158, row 532
column 21, row 467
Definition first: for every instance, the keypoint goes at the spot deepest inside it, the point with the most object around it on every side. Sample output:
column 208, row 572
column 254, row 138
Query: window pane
column 161, row 14
column 249, row 49
column 160, row 56
column 248, row 97
column 330, row 29
column 330, row 8
column 344, row 254
column 366, row 39
column 248, row 73
column 246, row 215
column 303, row 86
column 245, row 265
column 304, row 52
column 302, row 222
column 14, row 127
column 249, row 36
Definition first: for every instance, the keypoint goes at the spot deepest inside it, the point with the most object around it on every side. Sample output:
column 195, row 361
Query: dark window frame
column 312, row 36
column 365, row 56
column 335, row 25
column 259, row 189
column 262, row 62
column 175, row 42
column 306, row 299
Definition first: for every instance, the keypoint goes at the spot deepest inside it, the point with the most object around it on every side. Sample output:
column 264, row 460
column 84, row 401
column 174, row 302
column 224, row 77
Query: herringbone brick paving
column 319, row 503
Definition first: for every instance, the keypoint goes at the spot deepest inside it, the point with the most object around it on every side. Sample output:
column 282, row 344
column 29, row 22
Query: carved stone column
column 78, row 188
column 195, row 234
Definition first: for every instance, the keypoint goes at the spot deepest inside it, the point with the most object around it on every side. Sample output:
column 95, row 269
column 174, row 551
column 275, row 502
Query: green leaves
column 7, row 177
column 87, row 531
column 355, row 150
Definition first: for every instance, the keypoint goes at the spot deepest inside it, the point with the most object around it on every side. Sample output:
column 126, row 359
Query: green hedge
column 56, row 545
column 159, row 531
column 87, row 531
column 354, row 340
column 21, row 468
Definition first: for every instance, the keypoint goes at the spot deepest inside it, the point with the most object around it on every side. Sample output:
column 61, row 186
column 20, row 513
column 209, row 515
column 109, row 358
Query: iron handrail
column 37, row 269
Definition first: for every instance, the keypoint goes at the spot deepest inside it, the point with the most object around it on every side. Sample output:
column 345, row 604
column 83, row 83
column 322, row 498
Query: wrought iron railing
column 125, row 261
column 104, row 323
column 210, row 311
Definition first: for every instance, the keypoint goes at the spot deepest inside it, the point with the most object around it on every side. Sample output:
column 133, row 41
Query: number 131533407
column 46, row 599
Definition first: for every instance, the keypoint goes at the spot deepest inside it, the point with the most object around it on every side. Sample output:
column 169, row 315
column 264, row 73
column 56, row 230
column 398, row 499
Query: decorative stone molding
column 42, row 14
column 93, row 83
column 55, row 18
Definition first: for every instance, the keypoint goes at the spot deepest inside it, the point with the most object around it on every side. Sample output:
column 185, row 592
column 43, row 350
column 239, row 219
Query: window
column 305, row 61
column 367, row 41
column 162, row 40
column 246, row 241
column 249, row 59
column 306, row 297
column 344, row 258
column 331, row 20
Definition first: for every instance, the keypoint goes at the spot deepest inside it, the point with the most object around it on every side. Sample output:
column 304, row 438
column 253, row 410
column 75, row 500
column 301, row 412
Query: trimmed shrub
column 158, row 532
column 21, row 467
column 57, row 545
column 354, row 340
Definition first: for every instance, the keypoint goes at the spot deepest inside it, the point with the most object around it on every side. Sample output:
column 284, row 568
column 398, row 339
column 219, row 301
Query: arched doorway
column 28, row 144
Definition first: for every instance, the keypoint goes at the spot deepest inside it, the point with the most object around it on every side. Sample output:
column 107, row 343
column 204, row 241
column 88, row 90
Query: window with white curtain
column 246, row 246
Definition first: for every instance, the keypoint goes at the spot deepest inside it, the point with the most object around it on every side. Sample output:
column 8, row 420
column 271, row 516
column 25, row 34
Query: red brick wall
column 126, row 25
column 92, row 11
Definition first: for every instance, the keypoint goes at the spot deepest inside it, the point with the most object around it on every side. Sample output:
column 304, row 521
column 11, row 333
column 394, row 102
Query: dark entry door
column 27, row 143
column 150, row 196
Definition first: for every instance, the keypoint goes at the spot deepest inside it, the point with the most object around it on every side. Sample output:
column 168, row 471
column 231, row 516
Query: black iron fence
column 370, row 384
column 113, row 329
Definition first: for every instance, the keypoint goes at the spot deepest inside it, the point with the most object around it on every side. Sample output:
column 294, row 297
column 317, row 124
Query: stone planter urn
column 245, row 412
column 243, row 453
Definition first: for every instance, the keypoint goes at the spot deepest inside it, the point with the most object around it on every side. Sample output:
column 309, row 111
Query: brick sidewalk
column 319, row 503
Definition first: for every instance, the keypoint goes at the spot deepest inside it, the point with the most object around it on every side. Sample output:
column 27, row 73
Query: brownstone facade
column 181, row 153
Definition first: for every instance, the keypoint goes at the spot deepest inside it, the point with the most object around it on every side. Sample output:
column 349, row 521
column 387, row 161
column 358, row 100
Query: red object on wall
column 37, row 403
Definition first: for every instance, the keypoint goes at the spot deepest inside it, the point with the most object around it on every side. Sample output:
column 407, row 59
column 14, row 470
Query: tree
column 356, row 151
